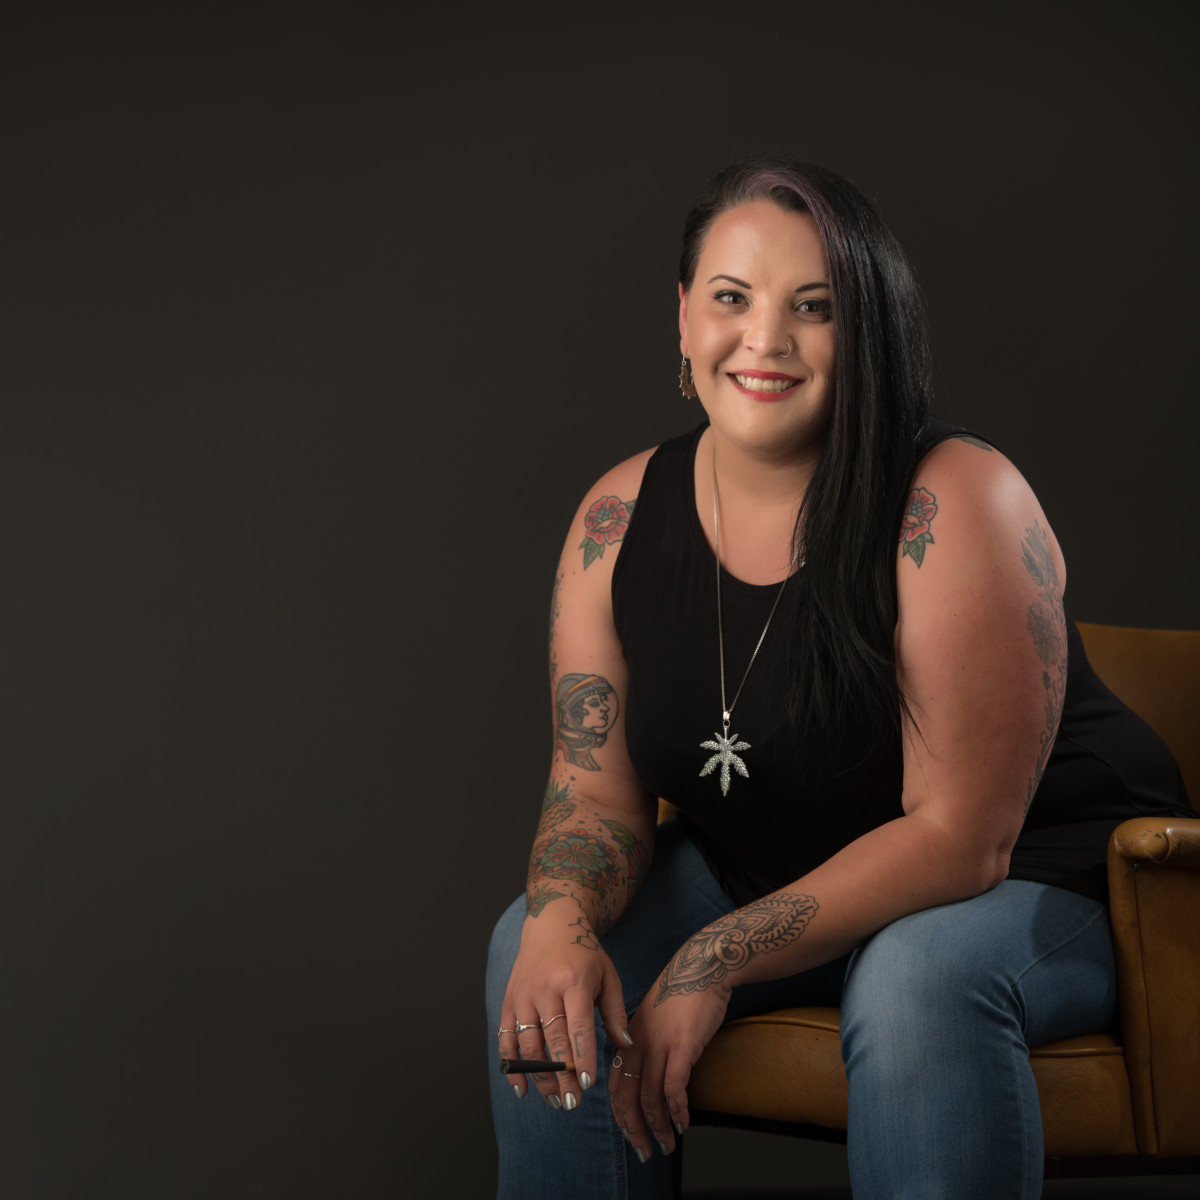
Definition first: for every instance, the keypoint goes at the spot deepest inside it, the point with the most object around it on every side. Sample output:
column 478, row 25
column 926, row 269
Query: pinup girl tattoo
column 732, row 941
column 585, row 711
column 1047, row 626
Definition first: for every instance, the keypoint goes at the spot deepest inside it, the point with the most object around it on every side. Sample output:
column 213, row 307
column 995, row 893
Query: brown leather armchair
column 1134, row 1093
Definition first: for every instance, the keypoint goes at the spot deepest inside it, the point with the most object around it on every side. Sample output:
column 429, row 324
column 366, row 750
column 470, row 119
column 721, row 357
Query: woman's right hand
column 561, row 975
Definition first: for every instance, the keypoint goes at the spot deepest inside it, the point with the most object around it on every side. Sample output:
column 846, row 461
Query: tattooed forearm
column 585, row 935
column 556, row 809
column 914, row 525
column 597, row 862
column 605, row 522
column 585, row 711
column 555, row 793
column 576, row 856
column 554, row 611
column 537, row 898
column 637, row 860
column 1047, row 626
column 731, row 942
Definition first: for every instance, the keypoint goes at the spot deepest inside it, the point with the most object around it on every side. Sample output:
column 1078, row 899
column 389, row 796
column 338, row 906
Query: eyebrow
column 807, row 287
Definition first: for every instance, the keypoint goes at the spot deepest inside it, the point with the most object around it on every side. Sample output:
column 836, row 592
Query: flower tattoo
column 605, row 522
column 576, row 855
column 914, row 526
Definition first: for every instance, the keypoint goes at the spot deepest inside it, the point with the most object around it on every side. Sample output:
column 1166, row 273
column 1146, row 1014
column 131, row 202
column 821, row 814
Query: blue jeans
column 938, row 1012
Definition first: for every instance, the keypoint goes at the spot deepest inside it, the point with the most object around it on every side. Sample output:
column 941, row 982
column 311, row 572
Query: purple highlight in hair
column 761, row 182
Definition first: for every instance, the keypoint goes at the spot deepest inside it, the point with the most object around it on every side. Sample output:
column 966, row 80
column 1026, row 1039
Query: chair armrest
column 1174, row 840
column 1154, row 904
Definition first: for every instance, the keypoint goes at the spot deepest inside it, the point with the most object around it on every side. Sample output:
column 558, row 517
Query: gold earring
column 687, row 385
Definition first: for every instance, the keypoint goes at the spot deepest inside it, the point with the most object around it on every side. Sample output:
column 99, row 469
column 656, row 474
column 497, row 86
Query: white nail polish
column 678, row 1128
column 642, row 1156
column 625, row 1035
column 585, row 1080
column 554, row 1102
column 569, row 1101
column 664, row 1147
column 517, row 1092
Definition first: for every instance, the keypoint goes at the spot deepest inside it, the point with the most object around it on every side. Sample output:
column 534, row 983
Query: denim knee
column 502, row 953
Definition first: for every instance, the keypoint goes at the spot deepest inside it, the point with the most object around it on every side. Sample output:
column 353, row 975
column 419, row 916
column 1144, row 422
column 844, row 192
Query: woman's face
column 596, row 714
column 762, row 285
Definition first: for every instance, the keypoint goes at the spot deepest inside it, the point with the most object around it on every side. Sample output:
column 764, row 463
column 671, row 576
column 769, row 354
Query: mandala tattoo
column 1048, row 627
column 585, row 710
column 729, row 943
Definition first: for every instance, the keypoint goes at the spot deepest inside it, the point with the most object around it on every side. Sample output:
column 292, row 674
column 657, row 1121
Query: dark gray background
column 318, row 321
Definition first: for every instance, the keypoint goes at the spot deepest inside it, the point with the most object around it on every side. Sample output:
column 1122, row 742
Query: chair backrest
column 1157, row 673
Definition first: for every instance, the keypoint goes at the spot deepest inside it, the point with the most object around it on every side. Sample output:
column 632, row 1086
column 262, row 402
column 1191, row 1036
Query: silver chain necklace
column 726, row 747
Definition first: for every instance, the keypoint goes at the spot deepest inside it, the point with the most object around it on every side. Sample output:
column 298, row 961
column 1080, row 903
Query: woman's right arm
column 596, row 834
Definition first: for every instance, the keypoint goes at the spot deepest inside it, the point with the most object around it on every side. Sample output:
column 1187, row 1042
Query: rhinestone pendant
column 725, row 756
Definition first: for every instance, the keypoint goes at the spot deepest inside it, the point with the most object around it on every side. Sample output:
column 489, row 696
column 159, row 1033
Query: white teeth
column 764, row 385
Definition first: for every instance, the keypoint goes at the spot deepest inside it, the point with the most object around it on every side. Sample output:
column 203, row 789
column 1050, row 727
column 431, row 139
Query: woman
column 830, row 631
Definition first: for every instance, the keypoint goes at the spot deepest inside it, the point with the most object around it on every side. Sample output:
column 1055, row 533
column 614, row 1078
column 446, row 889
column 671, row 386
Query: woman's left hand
column 647, row 1086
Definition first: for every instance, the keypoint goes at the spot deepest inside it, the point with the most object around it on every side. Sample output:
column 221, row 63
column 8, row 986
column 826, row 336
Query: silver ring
column 628, row 1076
column 500, row 1031
column 618, row 1063
column 521, row 1028
column 559, row 1017
column 789, row 348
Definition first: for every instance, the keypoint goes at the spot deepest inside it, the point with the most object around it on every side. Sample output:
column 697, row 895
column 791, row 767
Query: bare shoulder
column 967, row 508
column 606, row 510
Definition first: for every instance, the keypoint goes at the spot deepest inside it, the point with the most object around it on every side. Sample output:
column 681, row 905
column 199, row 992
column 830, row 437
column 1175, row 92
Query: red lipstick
column 764, row 395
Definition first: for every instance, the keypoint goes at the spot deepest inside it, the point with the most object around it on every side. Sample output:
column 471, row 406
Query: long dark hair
column 843, row 694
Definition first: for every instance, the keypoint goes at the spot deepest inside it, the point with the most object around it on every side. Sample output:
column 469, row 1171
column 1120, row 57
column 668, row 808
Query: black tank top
column 787, row 817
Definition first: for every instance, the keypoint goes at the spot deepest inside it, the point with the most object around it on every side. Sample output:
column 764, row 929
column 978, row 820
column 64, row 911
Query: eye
column 729, row 297
column 814, row 310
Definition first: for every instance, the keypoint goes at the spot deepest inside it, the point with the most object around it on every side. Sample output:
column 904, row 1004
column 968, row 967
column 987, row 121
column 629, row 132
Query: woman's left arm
column 981, row 654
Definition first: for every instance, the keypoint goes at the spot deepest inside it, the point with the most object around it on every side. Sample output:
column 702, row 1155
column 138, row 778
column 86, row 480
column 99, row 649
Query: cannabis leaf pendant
column 725, row 747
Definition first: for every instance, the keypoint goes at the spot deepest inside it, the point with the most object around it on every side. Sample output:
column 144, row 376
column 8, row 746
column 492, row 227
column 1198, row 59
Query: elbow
column 992, row 870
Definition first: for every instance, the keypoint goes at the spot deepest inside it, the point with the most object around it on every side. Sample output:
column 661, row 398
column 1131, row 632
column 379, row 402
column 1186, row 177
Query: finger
column 508, row 1046
column 675, row 1081
column 581, row 1037
column 611, row 1006
column 532, row 1044
column 624, row 1092
column 653, row 1102
column 556, row 1030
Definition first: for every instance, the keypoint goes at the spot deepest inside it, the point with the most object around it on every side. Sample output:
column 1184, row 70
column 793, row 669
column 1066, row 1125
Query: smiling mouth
column 753, row 383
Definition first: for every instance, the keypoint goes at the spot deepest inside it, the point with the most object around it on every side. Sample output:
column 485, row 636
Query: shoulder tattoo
column 605, row 522
column 971, row 440
column 915, row 533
